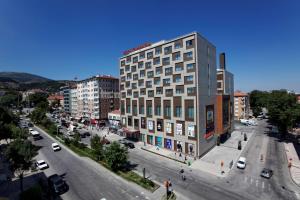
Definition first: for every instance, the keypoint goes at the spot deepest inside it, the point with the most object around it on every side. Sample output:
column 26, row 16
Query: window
column 121, row 71
column 133, row 85
column 157, row 51
column 128, row 109
column 142, row 73
column 148, row 83
column 142, row 55
column 189, row 78
column 156, row 61
column 166, row 61
column 179, row 91
column 189, row 54
column 141, row 83
column 167, row 81
column 159, row 90
column 135, row 76
column 177, row 79
column 177, row 56
column 177, row 46
column 190, row 111
column 150, row 74
column 148, row 65
column 150, row 55
column 158, row 70
column 178, row 68
column 169, row 92
column 168, row 71
column 149, row 110
column 142, row 110
column 157, row 81
column 178, row 111
column 134, row 109
column 191, row 90
column 158, row 110
column 168, row 49
column 127, row 68
column 189, row 43
column 143, row 122
column 150, row 93
column 190, row 66
column 141, row 65
column 129, row 121
column 128, row 76
column 135, row 59
column 167, row 111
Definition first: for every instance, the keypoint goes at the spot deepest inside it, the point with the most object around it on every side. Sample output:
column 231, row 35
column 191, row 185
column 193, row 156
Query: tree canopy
column 116, row 156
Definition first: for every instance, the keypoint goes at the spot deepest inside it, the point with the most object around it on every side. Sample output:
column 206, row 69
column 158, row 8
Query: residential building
column 114, row 119
column 224, row 105
column 53, row 98
column 168, row 94
column 96, row 97
column 73, row 102
column 67, row 100
column 241, row 105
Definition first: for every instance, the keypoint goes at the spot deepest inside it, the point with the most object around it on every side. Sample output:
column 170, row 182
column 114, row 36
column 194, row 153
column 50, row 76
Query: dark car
column 266, row 173
column 130, row 145
column 87, row 134
column 57, row 184
column 30, row 125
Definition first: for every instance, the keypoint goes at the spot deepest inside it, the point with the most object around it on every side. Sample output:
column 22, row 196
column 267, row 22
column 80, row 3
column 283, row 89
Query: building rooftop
column 55, row 97
column 240, row 94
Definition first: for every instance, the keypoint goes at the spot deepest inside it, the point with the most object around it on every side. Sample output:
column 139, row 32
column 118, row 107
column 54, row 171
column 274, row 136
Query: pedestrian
column 185, row 158
column 183, row 177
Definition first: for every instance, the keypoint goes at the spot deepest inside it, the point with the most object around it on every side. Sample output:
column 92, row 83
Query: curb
column 287, row 160
column 183, row 162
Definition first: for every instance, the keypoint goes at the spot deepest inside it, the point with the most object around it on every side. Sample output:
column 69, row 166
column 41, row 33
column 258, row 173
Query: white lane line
column 251, row 181
column 256, row 184
column 245, row 179
column 269, row 187
column 263, row 185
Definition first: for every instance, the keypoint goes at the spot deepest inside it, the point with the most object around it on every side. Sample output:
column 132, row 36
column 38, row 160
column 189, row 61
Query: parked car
column 30, row 125
column 241, row 164
column 130, row 145
column 266, row 173
column 87, row 134
column 57, row 184
column 41, row 164
column 55, row 147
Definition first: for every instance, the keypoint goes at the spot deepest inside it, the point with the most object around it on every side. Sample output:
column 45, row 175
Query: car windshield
column 240, row 162
column 42, row 163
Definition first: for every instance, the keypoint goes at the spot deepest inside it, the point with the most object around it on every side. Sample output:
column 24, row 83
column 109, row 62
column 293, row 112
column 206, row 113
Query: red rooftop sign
column 136, row 48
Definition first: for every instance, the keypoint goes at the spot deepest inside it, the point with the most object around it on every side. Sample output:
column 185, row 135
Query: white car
column 41, row 164
column 30, row 129
column 241, row 164
column 55, row 147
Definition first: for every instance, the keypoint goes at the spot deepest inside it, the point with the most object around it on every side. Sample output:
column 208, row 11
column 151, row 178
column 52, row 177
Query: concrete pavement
column 292, row 157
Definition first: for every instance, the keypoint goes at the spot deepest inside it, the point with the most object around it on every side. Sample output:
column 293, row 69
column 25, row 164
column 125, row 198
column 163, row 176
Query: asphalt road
column 86, row 179
column 240, row 184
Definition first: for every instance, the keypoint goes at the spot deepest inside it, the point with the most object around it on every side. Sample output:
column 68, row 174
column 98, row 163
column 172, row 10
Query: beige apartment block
column 168, row 94
column 241, row 105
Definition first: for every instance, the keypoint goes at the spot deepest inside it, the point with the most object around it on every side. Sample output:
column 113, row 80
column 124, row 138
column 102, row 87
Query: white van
column 36, row 135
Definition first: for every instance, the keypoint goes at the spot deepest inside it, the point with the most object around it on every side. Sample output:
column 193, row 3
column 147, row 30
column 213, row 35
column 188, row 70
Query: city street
column 240, row 184
column 86, row 179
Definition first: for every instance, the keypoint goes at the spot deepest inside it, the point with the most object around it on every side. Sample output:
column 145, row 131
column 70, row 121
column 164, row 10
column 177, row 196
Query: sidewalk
column 292, row 156
column 226, row 153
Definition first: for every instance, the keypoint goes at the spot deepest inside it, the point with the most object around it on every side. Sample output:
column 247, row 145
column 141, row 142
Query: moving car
column 241, row 164
column 57, row 184
column 266, row 173
column 36, row 135
column 55, row 147
column 41, row 164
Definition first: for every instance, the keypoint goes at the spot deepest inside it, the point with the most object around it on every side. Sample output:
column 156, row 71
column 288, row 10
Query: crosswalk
column 258, row 183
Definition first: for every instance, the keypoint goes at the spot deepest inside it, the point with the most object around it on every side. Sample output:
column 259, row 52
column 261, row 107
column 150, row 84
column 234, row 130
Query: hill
column 21, row 78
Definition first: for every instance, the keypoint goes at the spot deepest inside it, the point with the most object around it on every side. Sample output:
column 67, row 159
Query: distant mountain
column 22, row 78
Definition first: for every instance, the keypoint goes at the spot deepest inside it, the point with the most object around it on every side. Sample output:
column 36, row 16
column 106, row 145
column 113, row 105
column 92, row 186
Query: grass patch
column 171, row 196
column 134, row 177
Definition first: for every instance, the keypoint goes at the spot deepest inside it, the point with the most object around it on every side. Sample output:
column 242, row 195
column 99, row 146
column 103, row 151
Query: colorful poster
column 179, row 129
column 169, row 127
column 210, row 123
column 168, row 144
column 191, row 130
column 150, row 125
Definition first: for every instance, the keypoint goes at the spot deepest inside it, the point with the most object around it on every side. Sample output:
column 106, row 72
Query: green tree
column 6, row 118
column 116, row 156
column 97, row 147
column 37, row 98
column 17, row 132
column 11, row 98
column 38, row 115
column 44, row 105
column 258, row 100
column 20, row 153
column 283, row 110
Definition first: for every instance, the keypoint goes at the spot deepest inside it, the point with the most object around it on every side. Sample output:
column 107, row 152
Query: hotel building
column 168, row 94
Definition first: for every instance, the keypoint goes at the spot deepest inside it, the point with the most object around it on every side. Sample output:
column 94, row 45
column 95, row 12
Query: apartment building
column 241, row 105
column 96, row 97
column 225, row 98
column 168, row 94
column 67, row 101
column 73, row 101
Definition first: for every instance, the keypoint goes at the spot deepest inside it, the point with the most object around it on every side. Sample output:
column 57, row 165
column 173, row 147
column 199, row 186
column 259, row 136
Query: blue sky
column 63, row 39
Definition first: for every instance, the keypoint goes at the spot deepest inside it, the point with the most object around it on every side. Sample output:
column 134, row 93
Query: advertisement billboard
column 210, row 122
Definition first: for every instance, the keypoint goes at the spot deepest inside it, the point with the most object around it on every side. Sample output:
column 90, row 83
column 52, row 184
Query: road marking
column 269, row 187
column 245, row 179
column 251, row 181
column 263, row 185
column 256, row 184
